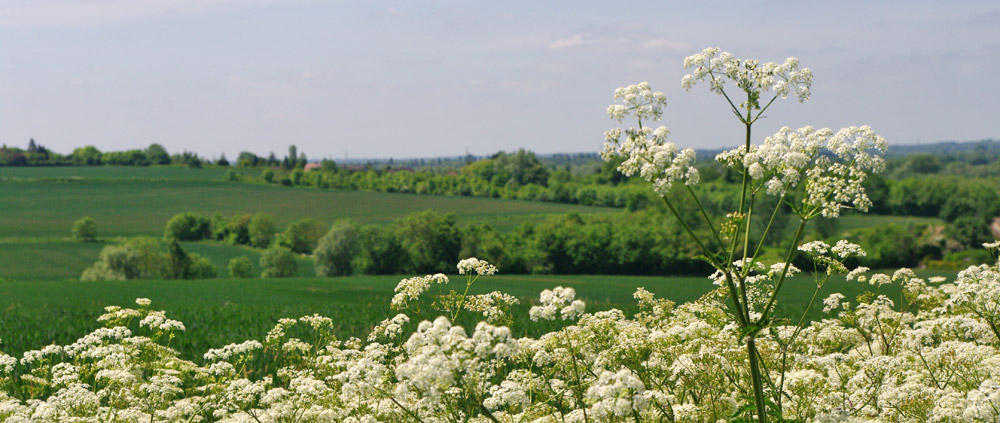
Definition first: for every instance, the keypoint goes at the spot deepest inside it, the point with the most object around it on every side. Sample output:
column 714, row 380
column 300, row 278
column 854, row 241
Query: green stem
column 461, row 302
column 768, row 228
column 743, row 199
column 704, row 214
column 755, row 378
column 784, row 272
column 744, row 319
column 746, row 236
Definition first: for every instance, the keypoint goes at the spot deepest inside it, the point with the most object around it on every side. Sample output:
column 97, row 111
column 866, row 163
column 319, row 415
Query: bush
column 201, row 268
column 239, row 267
column 137, row 258
column 301, row 236
column 278, row 262
column 432, row 241
column 382, row 252
column 261, row 230
column 336, row 250
column 85, row 230
column 187, row 227
column 237, row 230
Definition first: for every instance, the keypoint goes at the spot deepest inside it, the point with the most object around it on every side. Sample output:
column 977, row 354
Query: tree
column 237, row 229
column 261, row 230
column 336, row 250
column 301, row 236
column 239, row 267
column 137, row 258
column 188, row 227
column 85, row 230
column 278, row 262
column 382, row 252
column 88, row 155
column 432, row 241
column 178, row 262
column 222, row 161
column 157, row 154
column 247, row 159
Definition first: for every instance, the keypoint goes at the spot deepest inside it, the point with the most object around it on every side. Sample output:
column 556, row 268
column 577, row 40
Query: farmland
column 132, row 201
column 34, row 313
column 44, row 302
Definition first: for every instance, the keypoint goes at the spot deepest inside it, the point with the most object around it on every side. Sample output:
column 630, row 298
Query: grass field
column 127, row 207
column 221, row 311
column 855, row 221
column 173, row 173
column 42, row 301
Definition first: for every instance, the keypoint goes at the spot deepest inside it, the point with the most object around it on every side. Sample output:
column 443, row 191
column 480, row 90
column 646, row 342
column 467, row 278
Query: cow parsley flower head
column 559, row 300
column 645, row 150
column 472, row 264
column 410, row 289
column 716, row 67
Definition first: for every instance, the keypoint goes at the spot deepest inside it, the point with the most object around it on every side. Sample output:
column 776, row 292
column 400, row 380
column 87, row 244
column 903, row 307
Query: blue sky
column 431, row 78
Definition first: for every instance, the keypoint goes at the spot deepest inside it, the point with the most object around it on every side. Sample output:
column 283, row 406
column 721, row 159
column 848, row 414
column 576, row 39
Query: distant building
column 312, row 166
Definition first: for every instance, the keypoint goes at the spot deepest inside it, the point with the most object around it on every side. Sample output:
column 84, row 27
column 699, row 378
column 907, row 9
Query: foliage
column 141, row 258
column 431, row 241
column 239, row 267
column 301, row 236
column 187, row 227
column 85, row 229
column 261, row 230
column 278, row 262
column 336, row 250
column 867, row 361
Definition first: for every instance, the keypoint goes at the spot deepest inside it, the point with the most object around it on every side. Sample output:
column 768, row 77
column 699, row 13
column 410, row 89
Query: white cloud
column 574, row 40
column 658, row 43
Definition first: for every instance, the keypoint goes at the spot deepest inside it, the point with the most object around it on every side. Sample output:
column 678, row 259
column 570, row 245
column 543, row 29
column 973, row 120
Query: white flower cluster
column 472, row 264
column 749, row 75
column 831, row 259
column 935, row 359
column 559, row 300
column 493, row 306
column 645, row 150
column 832, row 166
column 410, row 289
column 389, row 328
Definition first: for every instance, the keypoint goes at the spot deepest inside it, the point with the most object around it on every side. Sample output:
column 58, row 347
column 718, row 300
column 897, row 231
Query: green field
column 42, row 301
column 127, row 207
column 221, row 311
column 857, row 221
column 174, row 173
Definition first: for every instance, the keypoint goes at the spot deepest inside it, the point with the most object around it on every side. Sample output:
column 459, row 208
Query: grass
column 142, row 207
column 858, row 221
column 77, row 173
column 220, row 311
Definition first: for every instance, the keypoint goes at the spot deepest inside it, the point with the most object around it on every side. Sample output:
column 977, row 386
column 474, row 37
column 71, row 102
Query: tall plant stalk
column 788, row 162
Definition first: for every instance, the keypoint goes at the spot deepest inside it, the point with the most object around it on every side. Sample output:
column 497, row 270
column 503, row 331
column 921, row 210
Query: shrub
column 431, row 240
column 336, row 250
column 178, row 262
column 382, row 252
column 85, row 230
column 301, row 236
column 201, row 268
column 136, row 258
column 261, row 230
column 278, row 262
column 239, row 267
column 237, row 231
column 187, row 227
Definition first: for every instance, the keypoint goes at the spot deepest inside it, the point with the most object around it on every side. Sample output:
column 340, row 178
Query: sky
column 408, row 79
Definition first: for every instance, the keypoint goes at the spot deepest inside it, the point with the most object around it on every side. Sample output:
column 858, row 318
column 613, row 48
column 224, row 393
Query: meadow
column 43, row 301
column 129, row 201
column 35, row 313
